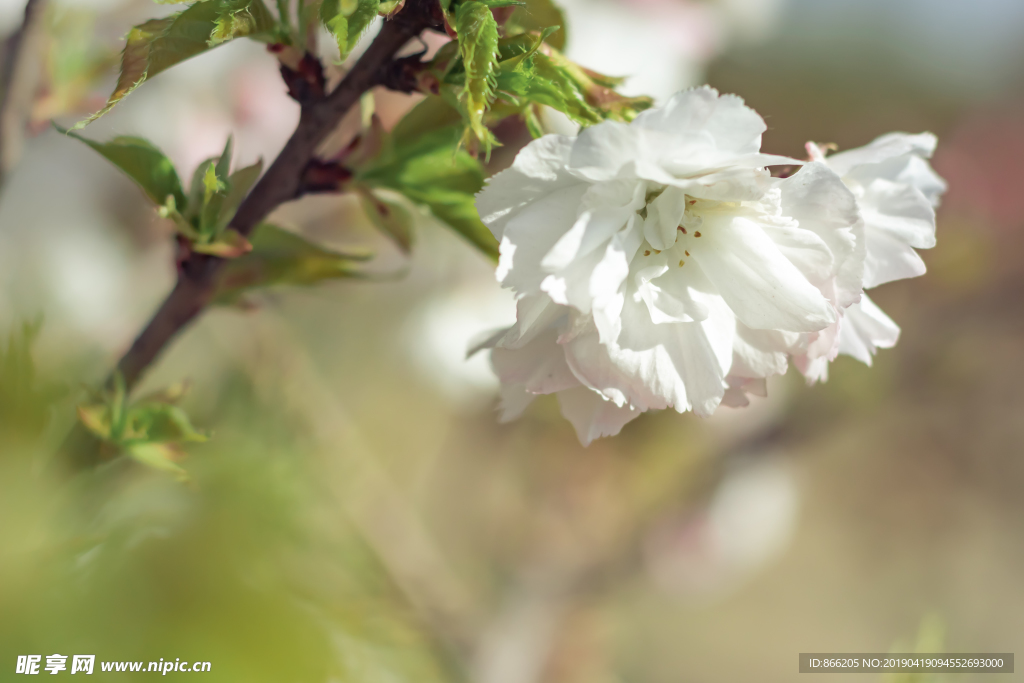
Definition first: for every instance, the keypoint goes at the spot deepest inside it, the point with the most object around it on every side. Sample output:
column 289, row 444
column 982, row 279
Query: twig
column 281, row 183
column 198, row 274
column 17, row 85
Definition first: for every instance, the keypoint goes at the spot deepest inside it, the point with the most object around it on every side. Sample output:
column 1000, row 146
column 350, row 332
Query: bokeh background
column 360, row 515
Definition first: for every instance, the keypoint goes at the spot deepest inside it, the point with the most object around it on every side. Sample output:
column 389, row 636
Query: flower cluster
column 659, row 264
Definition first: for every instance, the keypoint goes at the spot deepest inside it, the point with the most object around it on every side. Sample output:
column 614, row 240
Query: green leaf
column 347, row 19
column 158, row 422
column 458, row 211
column 430, row 170
column 280, row 257
column 214, row 191
column 390, row 216
column 142, row 162
column 427, row 160
column 536, row 79
column 531, row 72
column 149, row 431
column 95, row 418
column 159, row 44
column 212, row 183
column 478, row 43
column 430, row 115
column 598, row 89
column 239, row 184
column 234, row 23
column 537, row 16
column 159, row 456
column 224, row 162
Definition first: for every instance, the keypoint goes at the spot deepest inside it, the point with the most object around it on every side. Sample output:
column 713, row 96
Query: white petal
column 760, row 353
column 539, row 367
column 538, row 170
column 725, row 121
column 605, row 209
column 882, row 149
column 820, row 349
column 764, row 289
column 656, row 366
column 804, row 249
column 602, row 151
column 740, row 388
column 535, row 313
column 817, row 198
column 675, row 295
column 740, row 180
column 514, row 399
column 532, row 233
column 592, row 415
column 664, row 215
column 919, row 174
column 571, row 286
column 865, row 329
column 487, row 339
column 900, row 209
column 889, row 258
column 608, row 277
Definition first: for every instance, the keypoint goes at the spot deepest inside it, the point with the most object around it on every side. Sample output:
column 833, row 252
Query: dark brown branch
column 18, row 78
column 198, row 274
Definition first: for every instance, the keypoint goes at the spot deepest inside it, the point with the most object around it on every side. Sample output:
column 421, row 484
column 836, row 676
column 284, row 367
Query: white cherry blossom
column 897, row 193
column 658, row 264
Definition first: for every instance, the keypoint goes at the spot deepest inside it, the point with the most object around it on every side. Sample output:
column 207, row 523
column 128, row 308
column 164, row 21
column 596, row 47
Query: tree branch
column 18, row 78
column 198, row 274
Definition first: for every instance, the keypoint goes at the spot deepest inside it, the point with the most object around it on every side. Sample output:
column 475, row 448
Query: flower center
column 688, row 233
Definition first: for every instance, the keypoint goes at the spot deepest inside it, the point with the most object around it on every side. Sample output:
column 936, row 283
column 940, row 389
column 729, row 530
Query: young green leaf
column 478, row 43
column 142, row 162
column 598, row 89
column 390, row 216
column 159, row 44
column 458, row 211
column 95, row 418
column 347, row 19
column 280, row 257
column 159, row 456
column 430, row 170
column 164, row 422
column 223, row 167
column 430, row 115
column 214, row 191
column 537, row 16
column 149, row 431
column 536, row 79
column 239, row 184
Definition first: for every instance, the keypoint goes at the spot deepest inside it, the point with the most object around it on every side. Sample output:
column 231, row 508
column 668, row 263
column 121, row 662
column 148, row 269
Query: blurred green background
column 360, row 515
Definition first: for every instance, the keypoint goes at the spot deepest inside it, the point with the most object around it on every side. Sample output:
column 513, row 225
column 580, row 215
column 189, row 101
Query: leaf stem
column 284, row 15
